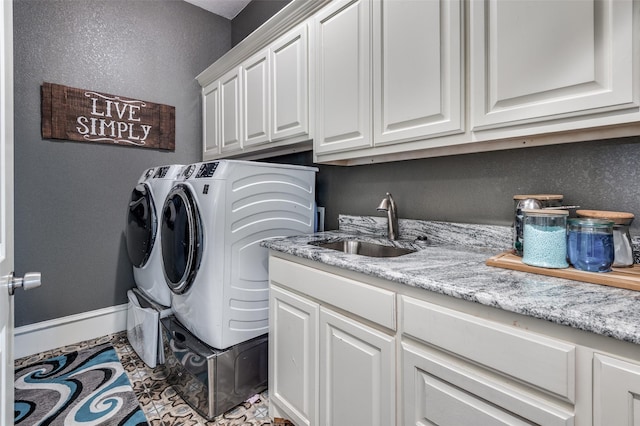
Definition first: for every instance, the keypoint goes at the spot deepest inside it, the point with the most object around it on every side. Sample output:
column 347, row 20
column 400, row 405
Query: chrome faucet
column 388, row 205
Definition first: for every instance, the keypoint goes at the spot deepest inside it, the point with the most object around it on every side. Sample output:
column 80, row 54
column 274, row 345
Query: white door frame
column 6, row 212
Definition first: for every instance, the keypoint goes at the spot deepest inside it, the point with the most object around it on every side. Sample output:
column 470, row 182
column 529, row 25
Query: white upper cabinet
column 387, row 71
column 530, row 73
column 343, row 76
column 256, row 99
column 290, row 85
column 535, row 61
column 255, row 96
column 263, row 103
column 211, row 116
column 230, row 112
column 388, row 80
column 418, row 82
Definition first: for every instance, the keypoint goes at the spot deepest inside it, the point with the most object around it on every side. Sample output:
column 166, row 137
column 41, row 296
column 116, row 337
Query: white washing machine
column 142, row 231
column 212, row 224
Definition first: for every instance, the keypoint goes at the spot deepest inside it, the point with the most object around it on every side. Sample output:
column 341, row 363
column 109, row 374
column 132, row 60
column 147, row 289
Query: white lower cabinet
column 346, row 377
column 346, row 349
column 293, row 357
column 357, row 373
column 326, row 367
column 616, row 393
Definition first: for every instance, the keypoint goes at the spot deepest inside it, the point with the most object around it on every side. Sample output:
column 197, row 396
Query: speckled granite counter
column 452, row 262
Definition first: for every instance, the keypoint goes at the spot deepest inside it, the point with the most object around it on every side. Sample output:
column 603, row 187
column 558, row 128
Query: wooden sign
column 88, row 116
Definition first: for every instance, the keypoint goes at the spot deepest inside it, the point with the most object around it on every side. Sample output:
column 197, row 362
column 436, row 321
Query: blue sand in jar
column 545, row 246
column 590, row 251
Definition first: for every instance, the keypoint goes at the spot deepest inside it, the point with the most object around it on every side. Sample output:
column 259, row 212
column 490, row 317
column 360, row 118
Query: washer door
column 142, row 225
column 181, row 233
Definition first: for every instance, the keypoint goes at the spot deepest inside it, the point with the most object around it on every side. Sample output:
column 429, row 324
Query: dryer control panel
column 207, row 170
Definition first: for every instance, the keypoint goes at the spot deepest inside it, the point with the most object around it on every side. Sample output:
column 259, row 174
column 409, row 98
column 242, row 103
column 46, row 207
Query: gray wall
column 479, row 188
column 70, row 197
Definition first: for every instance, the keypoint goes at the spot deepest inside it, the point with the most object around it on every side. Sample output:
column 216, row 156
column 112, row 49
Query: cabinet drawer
column 369, row 302
column 545, row 363
column 443, row 390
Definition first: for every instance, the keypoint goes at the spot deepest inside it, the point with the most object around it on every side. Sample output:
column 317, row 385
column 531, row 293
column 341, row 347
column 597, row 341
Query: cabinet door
column 211, row 120
column 533, row 61
column 343, row 77
column 230, row 127
column 255, row 96
column 357, row 373
column 616, row 399
column 293, row 360
column 290, row 85
column 417, row 69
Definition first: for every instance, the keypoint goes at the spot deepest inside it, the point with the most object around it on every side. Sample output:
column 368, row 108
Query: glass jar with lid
column 622, row 248
column 590, row 244
column 545, row 238
column 529, row 201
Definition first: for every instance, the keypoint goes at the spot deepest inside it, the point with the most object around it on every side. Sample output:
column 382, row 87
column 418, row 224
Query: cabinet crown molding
column 291, row 15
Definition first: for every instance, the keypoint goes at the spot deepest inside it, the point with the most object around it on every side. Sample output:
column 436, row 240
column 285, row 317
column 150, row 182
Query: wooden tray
column 628, row 278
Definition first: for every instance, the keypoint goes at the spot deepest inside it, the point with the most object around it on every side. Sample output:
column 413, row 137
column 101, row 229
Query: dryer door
column 181, row 234
column 142, row 225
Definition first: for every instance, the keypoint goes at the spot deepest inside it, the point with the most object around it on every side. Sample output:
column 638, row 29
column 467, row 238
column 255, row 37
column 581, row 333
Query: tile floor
column 161, row 404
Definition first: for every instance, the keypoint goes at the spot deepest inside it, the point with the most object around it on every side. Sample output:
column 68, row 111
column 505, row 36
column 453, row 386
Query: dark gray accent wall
column 252, row 16
column 70, row 197
column 479, row 188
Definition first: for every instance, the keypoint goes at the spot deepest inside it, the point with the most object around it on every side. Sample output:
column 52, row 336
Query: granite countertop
column 452, row 262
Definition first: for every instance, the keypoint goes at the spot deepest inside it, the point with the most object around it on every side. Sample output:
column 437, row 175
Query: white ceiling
column 225, row 8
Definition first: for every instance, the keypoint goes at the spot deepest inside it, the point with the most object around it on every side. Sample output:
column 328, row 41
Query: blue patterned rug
column 88, row 387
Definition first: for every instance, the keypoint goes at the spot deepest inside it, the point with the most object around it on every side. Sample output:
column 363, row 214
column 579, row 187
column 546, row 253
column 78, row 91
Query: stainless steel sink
column 363, row 248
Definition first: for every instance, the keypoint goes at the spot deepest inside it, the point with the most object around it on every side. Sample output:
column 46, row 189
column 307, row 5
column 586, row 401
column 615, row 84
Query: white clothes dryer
column 213, row 222
column 142, row 231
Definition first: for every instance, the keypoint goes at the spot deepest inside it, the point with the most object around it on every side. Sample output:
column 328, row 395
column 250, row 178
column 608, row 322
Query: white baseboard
column 46, row 335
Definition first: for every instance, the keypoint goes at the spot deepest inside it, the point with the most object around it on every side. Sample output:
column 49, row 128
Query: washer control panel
column 161, row 172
